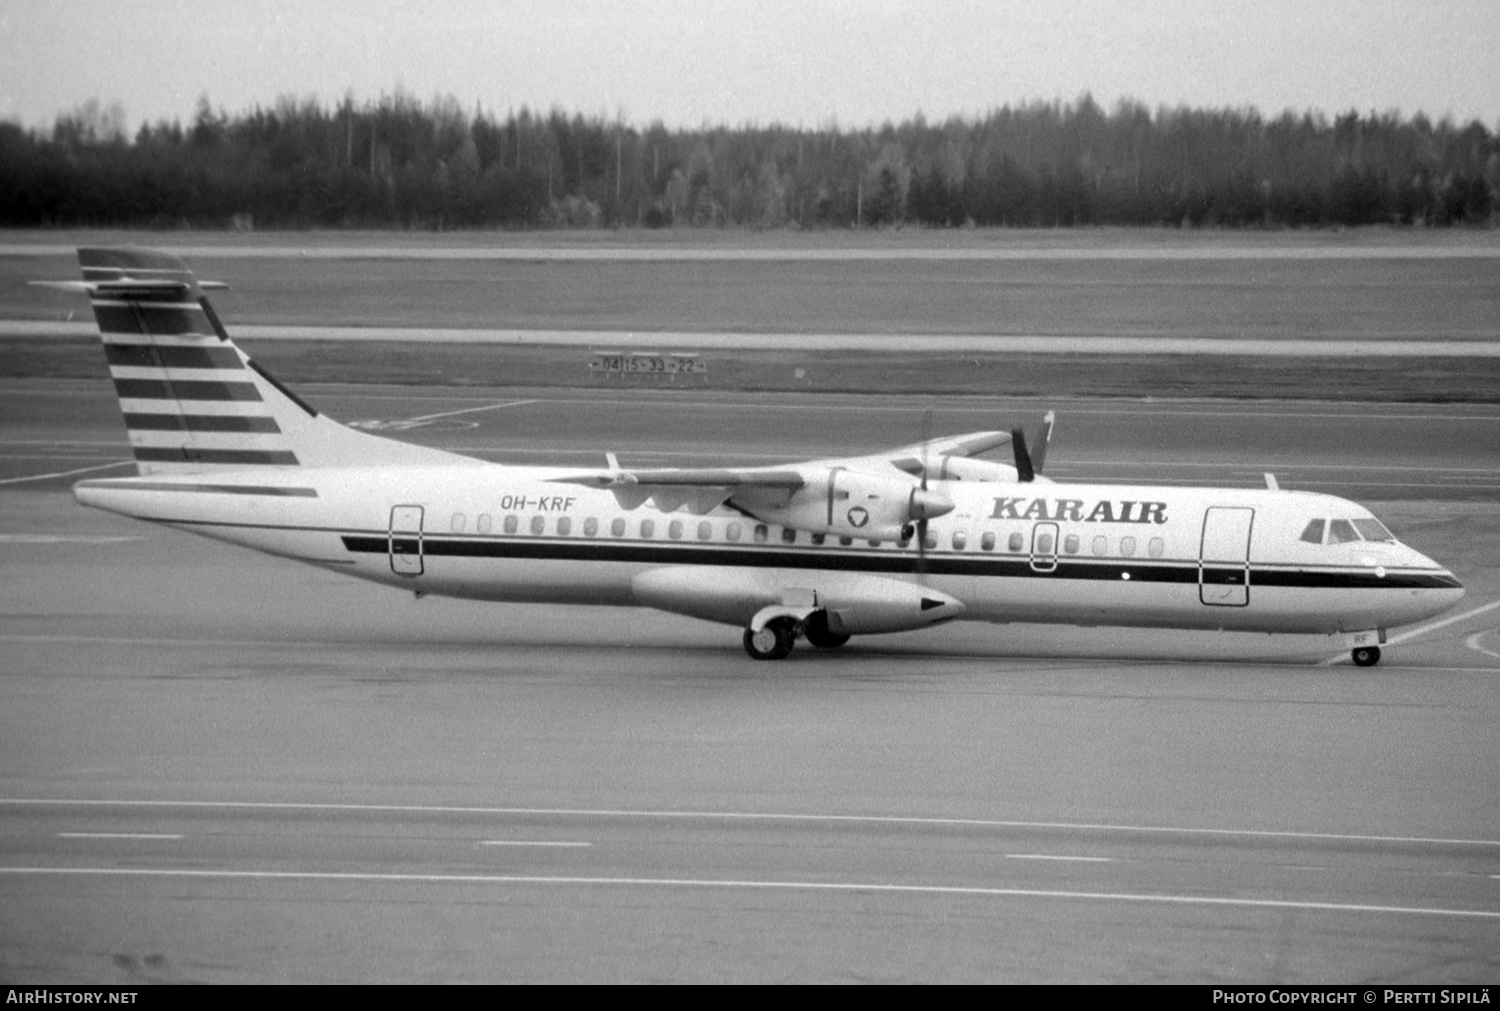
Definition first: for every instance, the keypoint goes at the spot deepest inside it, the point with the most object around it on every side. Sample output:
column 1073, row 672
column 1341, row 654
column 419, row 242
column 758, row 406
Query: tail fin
column 195, row 403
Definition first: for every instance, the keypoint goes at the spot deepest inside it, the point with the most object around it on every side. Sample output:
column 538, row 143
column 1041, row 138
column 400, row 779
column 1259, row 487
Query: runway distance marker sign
column 648, row 362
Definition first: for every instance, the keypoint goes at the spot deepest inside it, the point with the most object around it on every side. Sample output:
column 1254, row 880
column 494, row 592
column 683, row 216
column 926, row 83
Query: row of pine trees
column 400, row 163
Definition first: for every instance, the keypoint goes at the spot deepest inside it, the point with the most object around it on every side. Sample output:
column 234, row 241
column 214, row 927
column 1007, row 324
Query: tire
column 1366, row 656
column 816, row 631
column 773, row 642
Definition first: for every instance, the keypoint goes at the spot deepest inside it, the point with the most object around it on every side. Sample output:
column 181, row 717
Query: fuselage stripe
column 936, row 563
column 183, row 319
column 172, row 356
column 137, row 421
column 194, row 454
column 185, row 389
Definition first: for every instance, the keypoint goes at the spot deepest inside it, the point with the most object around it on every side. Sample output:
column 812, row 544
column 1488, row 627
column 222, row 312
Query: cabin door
column 1224, row 565
column 406, row 540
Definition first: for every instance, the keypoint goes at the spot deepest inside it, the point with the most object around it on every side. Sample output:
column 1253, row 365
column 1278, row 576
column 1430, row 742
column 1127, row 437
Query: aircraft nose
column 1445, row 591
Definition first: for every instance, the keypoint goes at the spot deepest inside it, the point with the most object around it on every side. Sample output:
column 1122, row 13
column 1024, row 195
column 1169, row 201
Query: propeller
column 922, row 519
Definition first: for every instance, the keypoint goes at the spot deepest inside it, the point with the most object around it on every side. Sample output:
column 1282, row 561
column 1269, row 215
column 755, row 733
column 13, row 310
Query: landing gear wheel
column 818, row 634
column 772, row 642
column 1366, row 656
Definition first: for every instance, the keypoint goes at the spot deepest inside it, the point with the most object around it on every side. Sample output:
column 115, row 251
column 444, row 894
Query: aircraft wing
column 911, row 458
column 700, row 489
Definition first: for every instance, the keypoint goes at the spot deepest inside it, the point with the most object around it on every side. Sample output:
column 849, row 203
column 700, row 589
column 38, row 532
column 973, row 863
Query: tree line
column 397, row 162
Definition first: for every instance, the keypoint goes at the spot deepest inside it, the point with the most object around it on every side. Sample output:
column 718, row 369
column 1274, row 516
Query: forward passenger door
column 1224, row 562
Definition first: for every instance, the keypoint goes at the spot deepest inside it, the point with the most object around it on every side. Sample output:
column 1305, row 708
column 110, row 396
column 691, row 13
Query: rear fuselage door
column 1224, row 564
column 406, row 540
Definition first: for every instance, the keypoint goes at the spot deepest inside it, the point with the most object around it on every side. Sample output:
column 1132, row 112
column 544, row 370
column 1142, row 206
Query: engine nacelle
column 849, row 503
column 855, row 603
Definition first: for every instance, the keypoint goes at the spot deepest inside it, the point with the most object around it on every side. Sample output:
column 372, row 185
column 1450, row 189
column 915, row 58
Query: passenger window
column 648, row 529
column 817, row 538
column 761, row 533
column 617, row 528
column 987, row 542
column 1127, row 546
column 538, row 524
column 846, row 541
column 590, row 527
column 1070, row 544
column 511, row 524
column 1341, row 532
column 1314, row 532
column 1101, row 545
column 930, row 540
column 960, row 540
column 1157, row 547
column 1016, row 542
column 484, row 523
column 564, row 525
column 732, row 532
column 705, row 530
column 788, row 535
column 1044, row 544
column 674, row 530
column 457, row 523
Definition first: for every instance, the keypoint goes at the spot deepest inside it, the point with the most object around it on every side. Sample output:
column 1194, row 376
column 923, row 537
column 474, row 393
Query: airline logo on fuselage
column 1075, row 510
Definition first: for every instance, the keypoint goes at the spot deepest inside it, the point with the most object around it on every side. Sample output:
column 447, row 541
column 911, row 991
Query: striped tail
column 193, row 402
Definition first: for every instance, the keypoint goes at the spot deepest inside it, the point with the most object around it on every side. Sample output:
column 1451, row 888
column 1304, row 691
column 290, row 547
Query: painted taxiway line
column 471, row 410
column 737, row 816
column 1472, row 642
column 1481, row 346
column 865, row 887
column 672, row 252
column 1054, row 856
column 65, row 539
column 67, row 473
column 118, row 835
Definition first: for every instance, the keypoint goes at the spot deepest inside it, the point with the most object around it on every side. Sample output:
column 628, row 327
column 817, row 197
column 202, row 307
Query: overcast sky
column 804, row 62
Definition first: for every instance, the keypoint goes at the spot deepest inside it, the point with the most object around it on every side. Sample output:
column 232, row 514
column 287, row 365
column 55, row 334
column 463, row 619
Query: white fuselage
column 1008, row 552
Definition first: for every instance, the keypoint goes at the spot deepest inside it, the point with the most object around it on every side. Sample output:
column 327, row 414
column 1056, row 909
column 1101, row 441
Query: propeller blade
column 922, row 496
column 1024, row 470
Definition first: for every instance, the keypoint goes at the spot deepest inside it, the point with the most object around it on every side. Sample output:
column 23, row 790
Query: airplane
column 821, row 550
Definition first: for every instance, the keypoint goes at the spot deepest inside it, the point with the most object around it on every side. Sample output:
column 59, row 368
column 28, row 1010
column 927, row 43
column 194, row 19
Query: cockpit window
column 1314, row 532
column 1341, row 532
column 1373, row 530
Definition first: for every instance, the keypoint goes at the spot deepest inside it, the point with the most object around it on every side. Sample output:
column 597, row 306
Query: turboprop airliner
column 819, row 551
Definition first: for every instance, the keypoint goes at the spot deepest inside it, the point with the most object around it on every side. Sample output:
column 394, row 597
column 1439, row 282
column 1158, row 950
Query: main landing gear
column 773, row 642
column 1365, row 656
column 776, row 639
